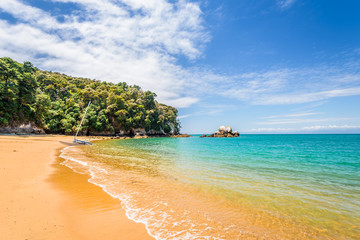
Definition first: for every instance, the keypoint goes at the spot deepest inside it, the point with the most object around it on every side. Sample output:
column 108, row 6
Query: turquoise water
column 254, row 186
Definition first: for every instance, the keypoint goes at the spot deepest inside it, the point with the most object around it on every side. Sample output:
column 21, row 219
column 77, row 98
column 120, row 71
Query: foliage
column 56, row 102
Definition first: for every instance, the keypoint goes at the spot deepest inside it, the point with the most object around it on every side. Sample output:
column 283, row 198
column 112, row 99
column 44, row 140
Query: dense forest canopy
column 56, row 103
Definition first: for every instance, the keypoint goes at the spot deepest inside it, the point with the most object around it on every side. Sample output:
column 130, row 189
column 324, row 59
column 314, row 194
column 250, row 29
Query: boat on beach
column 77, row 141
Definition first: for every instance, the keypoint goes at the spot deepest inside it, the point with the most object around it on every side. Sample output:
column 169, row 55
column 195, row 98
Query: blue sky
column 265, row 66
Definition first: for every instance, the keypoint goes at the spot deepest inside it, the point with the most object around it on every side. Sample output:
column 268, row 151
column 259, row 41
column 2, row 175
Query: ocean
column 250, row 187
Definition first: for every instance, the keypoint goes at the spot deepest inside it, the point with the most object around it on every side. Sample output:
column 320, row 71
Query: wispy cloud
column 302, row 120
column 307, row 97
column 330, row 127
column 299, row 118
column 285, row 3
column 308, row 129
column 268, row 130
column 212, row 109
column 184, row 116
column 292, row 115
column 309, row 107
column 296, row 85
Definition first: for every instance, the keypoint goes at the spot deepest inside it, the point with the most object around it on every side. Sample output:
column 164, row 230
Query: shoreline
column 91, row 137
column 42, row 199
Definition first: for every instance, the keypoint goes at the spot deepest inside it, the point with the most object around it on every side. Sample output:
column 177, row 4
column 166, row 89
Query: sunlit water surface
column 251, row 187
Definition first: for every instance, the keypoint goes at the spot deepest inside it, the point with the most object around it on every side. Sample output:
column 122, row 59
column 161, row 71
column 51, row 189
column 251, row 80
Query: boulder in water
column 224, row 132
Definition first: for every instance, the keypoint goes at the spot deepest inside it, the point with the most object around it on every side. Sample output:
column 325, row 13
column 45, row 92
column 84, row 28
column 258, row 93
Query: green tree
column 9, row 76
column 57, row 102
column 42, row 106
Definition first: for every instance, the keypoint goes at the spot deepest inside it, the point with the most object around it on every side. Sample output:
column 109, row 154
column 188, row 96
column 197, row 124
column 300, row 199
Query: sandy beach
column 41, row 199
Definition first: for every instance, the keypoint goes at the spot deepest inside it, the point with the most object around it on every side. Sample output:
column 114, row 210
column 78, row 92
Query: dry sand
column 41, row 199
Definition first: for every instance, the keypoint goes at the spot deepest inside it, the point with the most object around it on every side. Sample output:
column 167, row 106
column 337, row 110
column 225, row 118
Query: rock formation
column 22, row 129
column 223, row 132
column 181, row 136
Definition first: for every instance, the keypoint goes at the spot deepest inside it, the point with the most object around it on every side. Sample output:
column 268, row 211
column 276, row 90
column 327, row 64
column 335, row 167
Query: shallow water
column 252, row 187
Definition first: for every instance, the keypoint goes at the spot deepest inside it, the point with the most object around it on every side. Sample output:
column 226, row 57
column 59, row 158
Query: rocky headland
column 223, row 132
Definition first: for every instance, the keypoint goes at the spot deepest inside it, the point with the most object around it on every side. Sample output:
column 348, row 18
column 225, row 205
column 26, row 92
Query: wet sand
column 41, row 199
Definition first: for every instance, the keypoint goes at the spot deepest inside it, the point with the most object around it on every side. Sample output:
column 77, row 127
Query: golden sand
column 41, row 199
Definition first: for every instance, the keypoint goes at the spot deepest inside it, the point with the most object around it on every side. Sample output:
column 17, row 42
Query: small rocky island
column 223, row 132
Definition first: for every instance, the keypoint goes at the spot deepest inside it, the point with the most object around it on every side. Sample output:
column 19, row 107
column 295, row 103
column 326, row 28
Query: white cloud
column 139, row 42
column 126, row 40
column 28, row 13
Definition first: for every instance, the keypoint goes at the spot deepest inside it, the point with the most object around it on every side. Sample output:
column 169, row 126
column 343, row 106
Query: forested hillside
column 56, row 102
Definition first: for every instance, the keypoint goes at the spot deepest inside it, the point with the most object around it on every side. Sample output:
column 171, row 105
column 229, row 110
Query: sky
column 265, row 66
